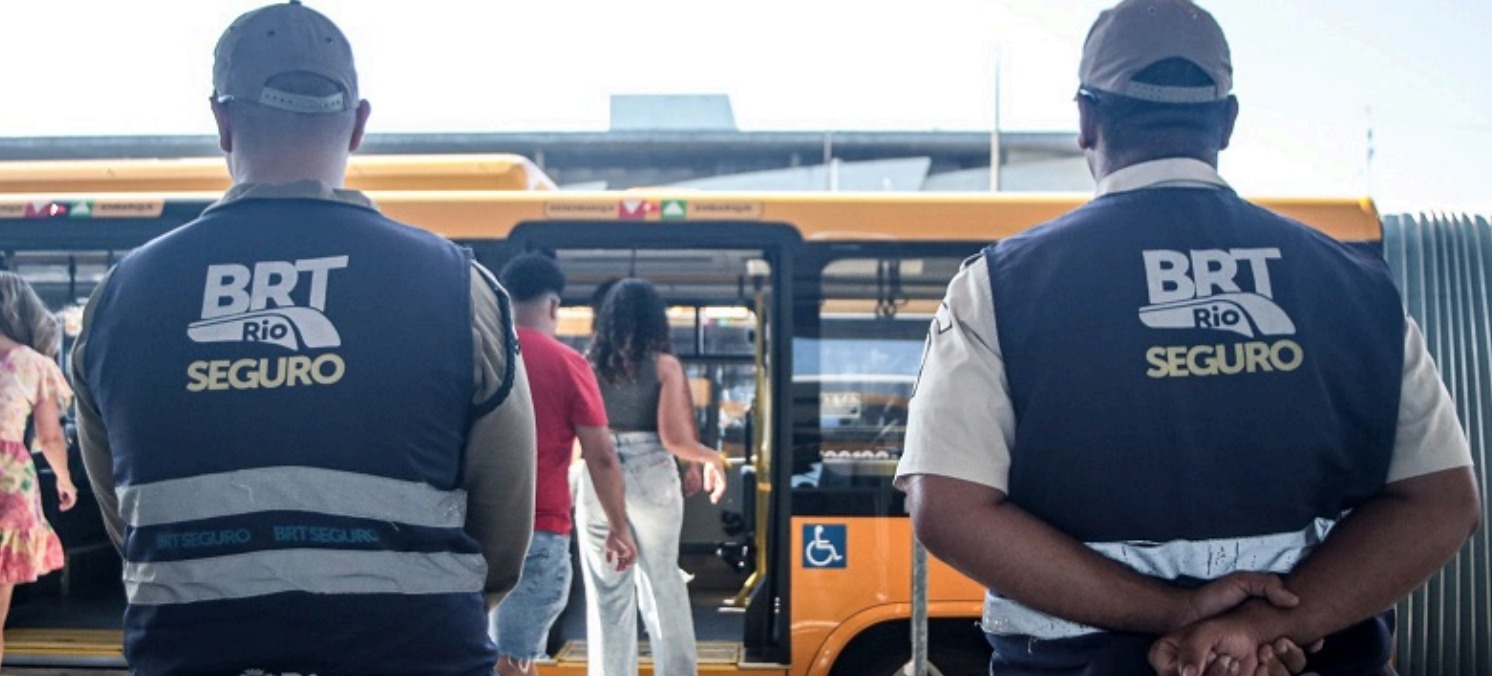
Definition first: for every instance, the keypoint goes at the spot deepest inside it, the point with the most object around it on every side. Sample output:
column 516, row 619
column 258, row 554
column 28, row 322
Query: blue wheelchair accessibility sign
column 824, row 545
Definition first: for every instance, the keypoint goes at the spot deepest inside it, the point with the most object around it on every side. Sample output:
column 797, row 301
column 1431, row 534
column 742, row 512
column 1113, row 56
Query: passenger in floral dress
column 31, row 387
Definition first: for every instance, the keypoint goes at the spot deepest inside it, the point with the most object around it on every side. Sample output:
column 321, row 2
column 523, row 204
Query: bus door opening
column 720, row 302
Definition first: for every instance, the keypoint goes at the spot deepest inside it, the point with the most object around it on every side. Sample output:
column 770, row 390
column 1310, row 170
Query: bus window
column 855, row 362
column 62, row 278
column 713, row 337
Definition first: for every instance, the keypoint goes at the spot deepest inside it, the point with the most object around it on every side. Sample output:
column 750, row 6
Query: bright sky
column 1312, row 75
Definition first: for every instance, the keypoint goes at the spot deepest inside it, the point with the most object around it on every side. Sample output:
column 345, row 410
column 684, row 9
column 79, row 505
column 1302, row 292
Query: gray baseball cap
column 1136, row 34
column 279, row 39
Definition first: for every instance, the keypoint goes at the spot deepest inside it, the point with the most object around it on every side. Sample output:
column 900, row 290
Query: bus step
column 64, row 647
column 714, row 656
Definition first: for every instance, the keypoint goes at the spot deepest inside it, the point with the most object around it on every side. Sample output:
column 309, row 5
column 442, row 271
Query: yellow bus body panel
column 969, row 217
column 833, row 605
column 494, row 171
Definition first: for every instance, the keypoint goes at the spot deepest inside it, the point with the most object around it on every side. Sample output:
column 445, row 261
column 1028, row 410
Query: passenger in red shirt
column 567, row 406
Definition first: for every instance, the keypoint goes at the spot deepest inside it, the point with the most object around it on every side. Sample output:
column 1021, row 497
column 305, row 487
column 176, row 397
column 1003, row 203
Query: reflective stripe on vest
column 301, row 489
column 1197, row 560
column 318, row 571
column 325, row 571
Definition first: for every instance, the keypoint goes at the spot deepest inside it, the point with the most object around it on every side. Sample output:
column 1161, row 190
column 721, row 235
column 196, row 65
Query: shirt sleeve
column 1429, row 437
column 498, row 472
column 961, row 389
column 586, row 408
column 93, row 438
column 51, row 384
column 494, row 339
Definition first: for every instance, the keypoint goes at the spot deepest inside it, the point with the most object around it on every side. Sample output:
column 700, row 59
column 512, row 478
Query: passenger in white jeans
column 648, row 400
column 655, row 586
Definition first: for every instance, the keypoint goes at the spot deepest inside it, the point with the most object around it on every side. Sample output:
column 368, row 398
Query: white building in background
column 1029, row 162
column 692, row 141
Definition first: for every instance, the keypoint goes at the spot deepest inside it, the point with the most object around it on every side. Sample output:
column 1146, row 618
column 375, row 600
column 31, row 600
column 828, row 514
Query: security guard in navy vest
column 1172, row 431
column 308, row 424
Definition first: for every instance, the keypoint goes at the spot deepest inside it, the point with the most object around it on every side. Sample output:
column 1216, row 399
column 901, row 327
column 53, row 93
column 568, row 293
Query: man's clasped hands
column 1233, row 627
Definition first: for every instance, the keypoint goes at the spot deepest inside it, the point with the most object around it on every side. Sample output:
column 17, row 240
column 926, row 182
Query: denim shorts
column 520, row 625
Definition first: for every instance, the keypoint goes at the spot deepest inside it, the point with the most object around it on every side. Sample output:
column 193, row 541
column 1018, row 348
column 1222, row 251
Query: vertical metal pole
column 1372, row 150
column 829, row 162
column 919, row 608
column 994, row 138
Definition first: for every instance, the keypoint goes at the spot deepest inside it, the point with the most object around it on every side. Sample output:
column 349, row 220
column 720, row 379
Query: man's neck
column 549, row 330
column 535, row 317
column 1107, row 162
column 288, row 170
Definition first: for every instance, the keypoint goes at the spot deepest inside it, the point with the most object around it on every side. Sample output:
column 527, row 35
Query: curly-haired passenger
column 651, row 411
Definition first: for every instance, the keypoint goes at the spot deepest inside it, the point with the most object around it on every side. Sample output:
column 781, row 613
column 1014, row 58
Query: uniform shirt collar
column 309, row 189
column 1171, row 172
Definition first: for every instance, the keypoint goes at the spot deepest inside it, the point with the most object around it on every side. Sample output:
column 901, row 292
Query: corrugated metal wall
column 1443, row 265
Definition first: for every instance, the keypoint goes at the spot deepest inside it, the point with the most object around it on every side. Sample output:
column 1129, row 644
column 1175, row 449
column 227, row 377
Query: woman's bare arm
column 676, row 424
column 48, row 421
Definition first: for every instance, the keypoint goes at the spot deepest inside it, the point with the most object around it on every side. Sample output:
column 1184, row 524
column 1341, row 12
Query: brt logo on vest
column 243, row 304
column 1199, row 289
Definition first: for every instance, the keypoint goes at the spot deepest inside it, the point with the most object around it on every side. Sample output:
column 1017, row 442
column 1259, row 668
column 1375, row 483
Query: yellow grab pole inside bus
column 762, row 459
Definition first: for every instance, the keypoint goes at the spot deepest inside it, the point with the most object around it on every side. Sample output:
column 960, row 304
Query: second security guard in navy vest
column 314, row 419
column 1136, row 422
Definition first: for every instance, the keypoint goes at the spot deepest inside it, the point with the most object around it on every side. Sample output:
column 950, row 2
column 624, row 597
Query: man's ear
column 225, row 125
column 1228, row 123
column 360, row 125
column 1087, row 124
column 554, row 308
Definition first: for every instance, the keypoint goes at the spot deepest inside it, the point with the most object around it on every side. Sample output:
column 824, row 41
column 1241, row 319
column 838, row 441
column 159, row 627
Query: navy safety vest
column 287, row 386
column 1200, row 386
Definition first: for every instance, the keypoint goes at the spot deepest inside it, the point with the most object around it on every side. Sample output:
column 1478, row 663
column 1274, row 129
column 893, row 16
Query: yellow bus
column 800, row 318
